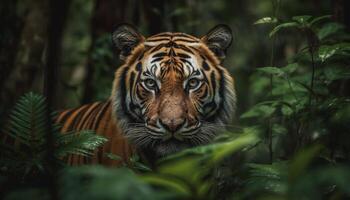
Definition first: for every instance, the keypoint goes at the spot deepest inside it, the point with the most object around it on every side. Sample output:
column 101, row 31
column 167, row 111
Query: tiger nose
column 172, row 125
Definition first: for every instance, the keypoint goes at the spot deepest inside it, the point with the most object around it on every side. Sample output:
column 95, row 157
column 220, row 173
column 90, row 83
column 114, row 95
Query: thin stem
column 271, row 88
column 313, row 74
column 312, row 45
column 275, row 4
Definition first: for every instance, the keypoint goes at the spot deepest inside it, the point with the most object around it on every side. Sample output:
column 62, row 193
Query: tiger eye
column 193, row 83
column 150, row 83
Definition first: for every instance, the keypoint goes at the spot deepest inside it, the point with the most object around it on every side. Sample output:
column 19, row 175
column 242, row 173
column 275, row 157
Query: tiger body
column 97, row 117
column 171, row 93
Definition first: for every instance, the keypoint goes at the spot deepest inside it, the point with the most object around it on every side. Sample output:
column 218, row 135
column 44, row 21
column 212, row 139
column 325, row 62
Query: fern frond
column 269, row 178
column 28, row 121
column 82, row 143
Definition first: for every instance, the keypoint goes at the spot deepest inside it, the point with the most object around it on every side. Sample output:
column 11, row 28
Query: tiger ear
column 218, row 40
column 125, row 38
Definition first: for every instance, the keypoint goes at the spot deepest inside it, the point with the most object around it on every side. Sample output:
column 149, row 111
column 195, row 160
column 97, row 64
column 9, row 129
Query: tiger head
column 172, row 92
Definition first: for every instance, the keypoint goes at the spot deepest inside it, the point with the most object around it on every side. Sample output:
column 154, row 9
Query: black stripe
column 171, row 44
column 205, row 92
column 157, row 59
column 123, row 89
column 185, row 48
column 183, row 35
column 182, row 55
column 222, row 90
column 205, row 66
column 93, row 123
column 186, row 61
column 87, row 118
column 66, row 115
column 213, row 82
column 162, row 54
column 140, row 94
column 158, row 40
column 123, row 94
column 156, row 48
column 77, row 119
column 211, row 105
column 184, row 40
column 93, row 117
column 172, row 52
column 205, row 76
column 139, row 67
column 131, row 83
column 100, row 115
column 141, row 56
column 222, row 96
column 163, row 34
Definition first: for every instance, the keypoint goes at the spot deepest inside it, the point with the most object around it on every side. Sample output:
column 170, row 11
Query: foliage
column 304, row 96
column 25, row 150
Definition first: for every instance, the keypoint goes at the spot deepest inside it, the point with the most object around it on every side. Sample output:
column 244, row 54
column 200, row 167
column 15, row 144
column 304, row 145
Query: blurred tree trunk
column 106, row 15
column 160, row 15
column 30, row 46
column 338, row 10
column 54, row 30
column 154, row 14
column 10, row 32
column 341, row 15
column 10, row 23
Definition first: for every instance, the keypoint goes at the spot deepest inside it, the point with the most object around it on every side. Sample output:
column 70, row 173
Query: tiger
column 170, row 93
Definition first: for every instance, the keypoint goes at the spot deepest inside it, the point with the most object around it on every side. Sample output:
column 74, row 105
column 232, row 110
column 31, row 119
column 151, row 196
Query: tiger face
column 172, row 92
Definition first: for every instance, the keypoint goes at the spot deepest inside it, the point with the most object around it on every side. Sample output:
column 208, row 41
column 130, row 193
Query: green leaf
column 332, row 179
column 82, row 143
column 301, row 161
column 193, row 165
column 290, row 68
column 336, row 72
column 113, row 156
column 326, row 52
column 97, row 182
column 141, row 167
column 208, row 152
column 268, row 178
column 329, row 29
column 266, row 20
column 259, row 111
column 283, row 26
column 303, row 19
column 286, row 110
column 271, row 70
column 179, row 11
column 225, row 149
column 278, row 129
column 173, row 184
column 319, row 19
column 342, row 116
